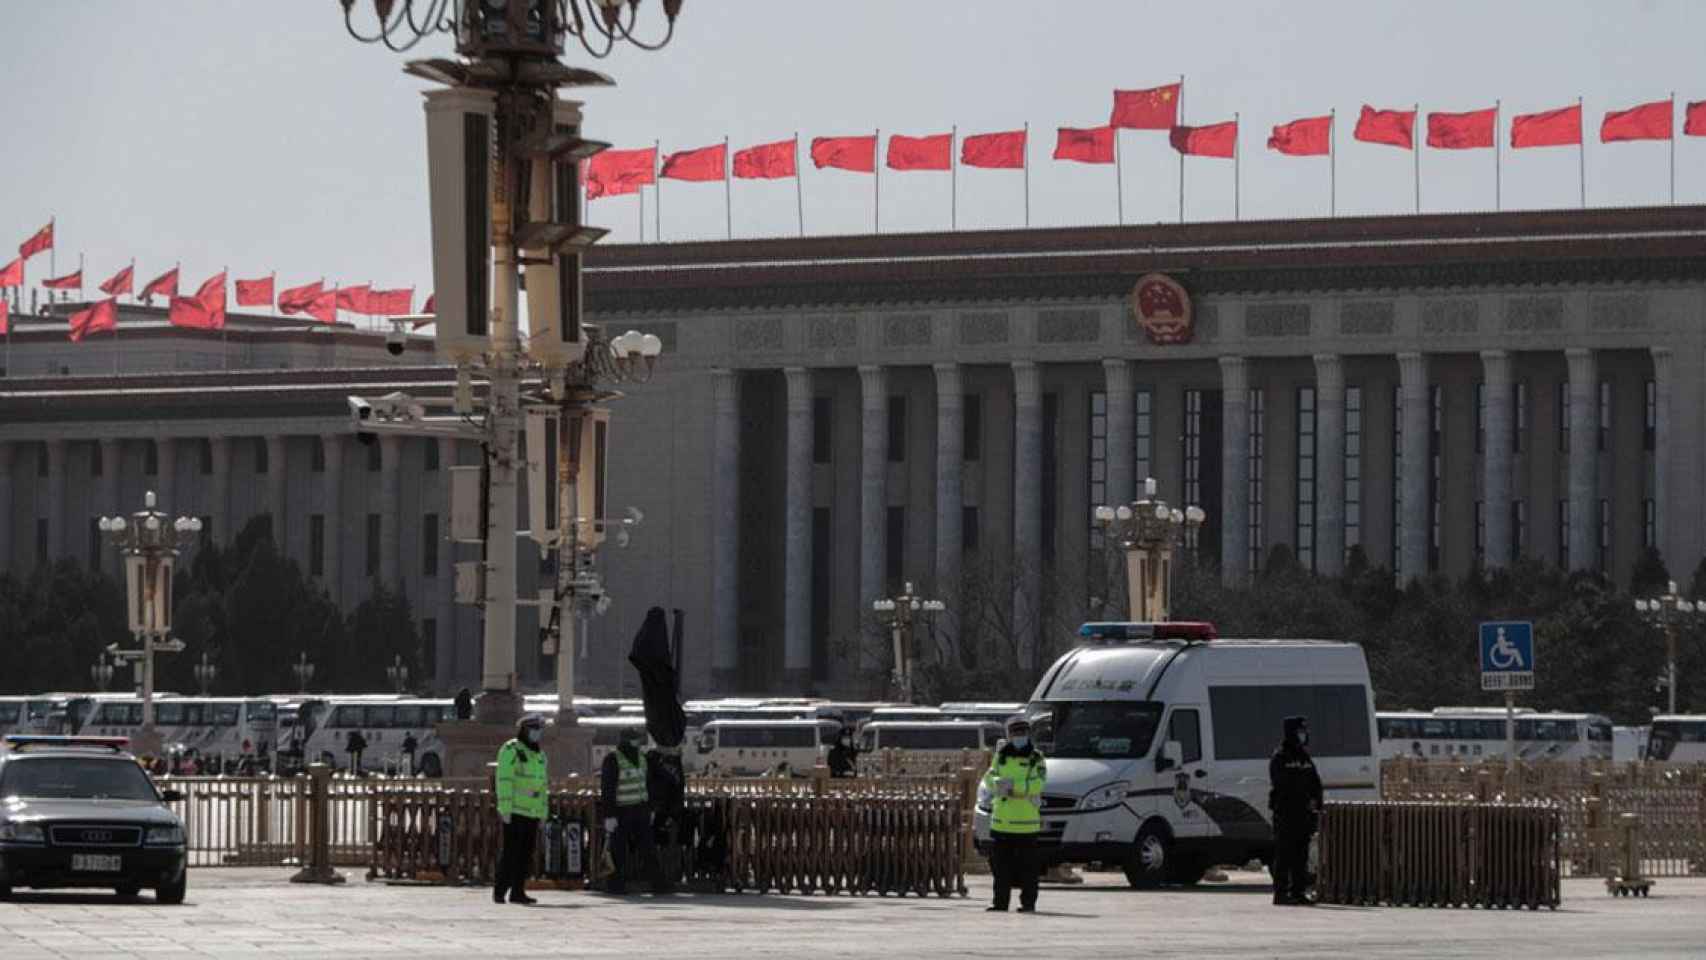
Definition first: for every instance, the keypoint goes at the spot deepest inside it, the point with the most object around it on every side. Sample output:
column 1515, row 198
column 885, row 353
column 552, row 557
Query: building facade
column 834, row 417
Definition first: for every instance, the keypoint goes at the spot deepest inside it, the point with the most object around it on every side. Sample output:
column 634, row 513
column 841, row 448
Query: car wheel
column 127, row 891
column 1147, row 866
column 173, row 892
column 5, row 892
column 431, row 767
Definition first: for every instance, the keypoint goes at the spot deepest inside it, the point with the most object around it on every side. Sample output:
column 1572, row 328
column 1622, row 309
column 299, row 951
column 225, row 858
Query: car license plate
column 96, row 863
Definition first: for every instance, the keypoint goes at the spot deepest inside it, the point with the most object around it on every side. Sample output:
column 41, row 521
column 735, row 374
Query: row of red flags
column 205, row 310
column 616, row 172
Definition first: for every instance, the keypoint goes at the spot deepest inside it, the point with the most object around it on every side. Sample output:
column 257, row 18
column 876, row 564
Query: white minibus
column 752, row 748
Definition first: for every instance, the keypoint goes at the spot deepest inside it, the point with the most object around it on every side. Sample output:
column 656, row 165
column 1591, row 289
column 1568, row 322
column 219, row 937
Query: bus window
column 10, row 712
column 1434, row 730
column 170, row 714
column 223, row 714
column 1599, row 730
column 345, row 717
column 381, row 716
column 262, row 711
column 411, row 716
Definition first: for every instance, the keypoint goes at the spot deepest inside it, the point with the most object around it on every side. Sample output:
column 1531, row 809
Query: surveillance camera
column 360, row 410
column 396, row 340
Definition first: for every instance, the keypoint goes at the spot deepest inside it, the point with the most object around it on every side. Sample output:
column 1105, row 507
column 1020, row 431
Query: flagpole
column 1026, row 166
column 1181, row 156
column 657, row 189
column 1498, row 173
column 1235, row 177
column 1416, row 147
column 1672, row 116
column 799, row 189
column 877, row 180
column 52, row 252
column 1332, row 162
column 1582, row 149
column 641, row 193
column 954, row 178
column 224, row 341
column 728, row 190
column 1119, row 180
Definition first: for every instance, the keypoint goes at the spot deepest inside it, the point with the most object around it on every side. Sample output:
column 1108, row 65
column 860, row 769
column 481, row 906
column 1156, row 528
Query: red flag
column 612, row 173
column 705, row 163
column 101, row 316
column 41, row 240
column 1309, row 137
column 71, row 281
column 1395, row 128
column 1649, row 121
column 1153, row 109
column 324, row 306
column 166, row 285
column 354, row 299
column 1462, row 131
column 1094, row 145
column 12, row 274
column 1550, row 128
column 255, row 293
column 1214, row 140
column 390, row 303
column 4, row 306
column 935, row 152
column 294, row 300
column 121, row 282
column 431, row 306
column 858, row 154
column 1005, row 151
column 767, row 161
column 205, row 310
column 1694, row 119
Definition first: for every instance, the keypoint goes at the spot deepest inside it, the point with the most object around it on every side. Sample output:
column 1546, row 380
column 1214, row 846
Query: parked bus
column 1474, row 733
column 386, row 727
column 227, row 729
column 997, row 713
column 1678, row 738
column 752, row 748
column 928, row 746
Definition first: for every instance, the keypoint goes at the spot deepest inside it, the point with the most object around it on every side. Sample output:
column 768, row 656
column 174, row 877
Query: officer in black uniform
column 1294, row 801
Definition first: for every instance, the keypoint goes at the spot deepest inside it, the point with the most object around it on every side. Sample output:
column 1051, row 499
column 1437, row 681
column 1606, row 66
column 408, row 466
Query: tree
column 1649, row 578
column 377, row 632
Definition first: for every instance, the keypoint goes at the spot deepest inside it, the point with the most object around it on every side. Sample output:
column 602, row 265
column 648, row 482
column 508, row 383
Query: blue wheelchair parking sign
column 1507, row 655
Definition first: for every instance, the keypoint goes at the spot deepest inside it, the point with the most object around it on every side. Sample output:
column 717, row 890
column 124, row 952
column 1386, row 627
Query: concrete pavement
column 254, row 913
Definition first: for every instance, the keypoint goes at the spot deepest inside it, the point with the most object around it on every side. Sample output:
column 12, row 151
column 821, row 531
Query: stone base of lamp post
column 470, row 745
column 502, row 707
column 568, row 747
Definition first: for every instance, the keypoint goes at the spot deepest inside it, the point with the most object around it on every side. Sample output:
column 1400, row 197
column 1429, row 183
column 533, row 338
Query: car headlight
column 165, row 836
column 1100, row 798
column 13, row 832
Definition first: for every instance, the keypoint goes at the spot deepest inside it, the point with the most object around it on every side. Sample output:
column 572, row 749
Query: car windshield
column 76, row 778
column 1105, row 729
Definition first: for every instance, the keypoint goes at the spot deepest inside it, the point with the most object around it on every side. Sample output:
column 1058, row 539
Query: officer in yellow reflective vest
column 1014, row 785
column 626, row 801
column 521, row 790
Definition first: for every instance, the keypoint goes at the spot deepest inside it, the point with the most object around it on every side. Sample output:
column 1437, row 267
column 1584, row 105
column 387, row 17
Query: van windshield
column 1096, row 729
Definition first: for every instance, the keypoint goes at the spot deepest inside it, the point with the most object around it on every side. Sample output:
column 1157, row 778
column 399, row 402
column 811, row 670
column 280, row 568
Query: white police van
column 1158, row 737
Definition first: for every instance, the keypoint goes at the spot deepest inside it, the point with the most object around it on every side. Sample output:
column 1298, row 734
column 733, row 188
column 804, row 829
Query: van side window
column 1186, row 727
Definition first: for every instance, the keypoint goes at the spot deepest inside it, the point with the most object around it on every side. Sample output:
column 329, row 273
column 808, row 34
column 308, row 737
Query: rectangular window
column 1185, row 729
column 1480, row 533
column 1353, row 467
column 1480, row 417
column 1143, row 446
column 968, row 529
column 1098, row 477
column 1397, row 478
column 1193, row 447
column 1604, row 535
column 894, row 564
column 897, row 429
column 1650, row 425
column 1564, row 534
column 317, row 545
column 1649, row 523
column 823, row 426
column 1563, row 417
column 1519, row 423
column 1436, row 424
column 1306, row 477
column 429, row 545
column 971, row 428
column 375, row 459
column 317, row 455
column 373, row 528
column 41, row 540
column 1050, row 473
column 1604, row 426
column 150, row 459
column 429, row 459
column 97, row 463
column 1255, row 457
column 261, row 465
column 1519, row 528
column 1245, row 718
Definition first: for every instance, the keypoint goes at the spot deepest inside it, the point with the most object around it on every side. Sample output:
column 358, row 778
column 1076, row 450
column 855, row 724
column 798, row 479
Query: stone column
column 1027, row 511
column 725, row 530
column 873, row 494
column 444, row 601
column 1661, row 445
column 950, row 502
column 1584, row 459
column 1496, row 460
column 1121, row 457
column 277, row 486
column 166, row 479
column 219, row 451
column 390, row 508
column 1413, row 383
column 1234, row 471
column 112, row 454
column 8, row 546
column 797, row 535
column 334, row 506
column 1329, row 464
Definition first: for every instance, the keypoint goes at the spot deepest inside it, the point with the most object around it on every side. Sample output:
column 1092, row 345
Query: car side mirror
column 171, row 796
column 1172, row 755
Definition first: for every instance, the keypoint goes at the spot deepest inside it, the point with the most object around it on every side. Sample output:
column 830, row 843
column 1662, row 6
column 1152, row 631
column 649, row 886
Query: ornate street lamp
column 150, row 542
column 1670, row 613
column 900, row 614
column 1149, row 531
column 304, row 671
column 205, row 673
column 101, row 673
column 398, row 674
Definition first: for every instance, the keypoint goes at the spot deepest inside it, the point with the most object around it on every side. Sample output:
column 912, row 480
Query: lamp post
column 398, row 673
column 101, row 673
column 1670, row 613
column 205, row 673
column 304, row 671
column 150, row 542
column 1148, row 530
column 900, row 614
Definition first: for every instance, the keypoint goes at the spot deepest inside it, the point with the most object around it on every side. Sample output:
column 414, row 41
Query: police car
column 81, row 812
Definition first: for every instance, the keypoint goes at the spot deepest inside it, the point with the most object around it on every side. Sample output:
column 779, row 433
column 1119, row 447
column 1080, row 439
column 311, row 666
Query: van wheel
column 1147, row 865
column 1187, row 871
column 431, row 767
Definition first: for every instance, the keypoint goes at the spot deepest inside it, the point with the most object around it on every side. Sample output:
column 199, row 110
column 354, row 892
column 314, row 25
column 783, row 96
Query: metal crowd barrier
column 1445, row 854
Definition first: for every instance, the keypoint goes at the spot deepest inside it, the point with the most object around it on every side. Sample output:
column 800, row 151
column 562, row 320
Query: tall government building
column 836, row 416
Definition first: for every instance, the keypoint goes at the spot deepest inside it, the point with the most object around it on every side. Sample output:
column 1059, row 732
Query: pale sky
column 259, row 136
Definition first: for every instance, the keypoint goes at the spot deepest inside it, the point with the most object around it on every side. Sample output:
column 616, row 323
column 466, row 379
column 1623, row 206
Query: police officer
column 843, row 758
column 1015, row 784
column 521, row 791
column 628, row 813
column 1294, row 800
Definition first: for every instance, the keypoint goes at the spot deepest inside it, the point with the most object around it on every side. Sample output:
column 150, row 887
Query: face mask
column 1302, row 737
column 1021, row 742
column 531, row 735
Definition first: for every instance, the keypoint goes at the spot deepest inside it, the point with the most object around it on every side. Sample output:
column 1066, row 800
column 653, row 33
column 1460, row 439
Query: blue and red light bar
column 17, row 741
column 1191, row 630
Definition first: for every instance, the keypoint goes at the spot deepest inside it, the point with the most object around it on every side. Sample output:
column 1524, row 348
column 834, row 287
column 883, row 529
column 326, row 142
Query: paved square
column 253, row 912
